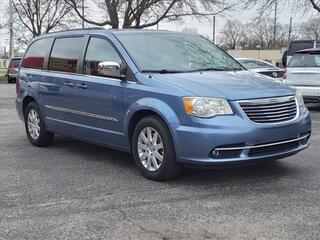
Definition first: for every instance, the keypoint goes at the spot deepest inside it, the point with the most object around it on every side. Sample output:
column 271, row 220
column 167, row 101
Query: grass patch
column 3, row 72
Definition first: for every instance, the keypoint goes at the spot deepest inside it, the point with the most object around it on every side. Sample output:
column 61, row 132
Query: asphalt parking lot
column 74, row 190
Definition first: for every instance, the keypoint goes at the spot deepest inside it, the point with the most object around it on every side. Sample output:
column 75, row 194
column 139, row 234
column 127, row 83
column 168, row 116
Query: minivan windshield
column 305, row 60
column 175, row 53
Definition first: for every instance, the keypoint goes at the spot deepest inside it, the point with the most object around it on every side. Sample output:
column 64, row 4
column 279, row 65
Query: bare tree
column 147, row 13
column 42, row 16
column 310, row 29
column 264, row 6
column 258, row 34
column 233, row 34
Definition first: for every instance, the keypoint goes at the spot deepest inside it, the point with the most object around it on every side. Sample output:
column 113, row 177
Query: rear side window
column 254, row 64
column 65, row 54
column 15, row 62
column 99, row 50
column 36, row 53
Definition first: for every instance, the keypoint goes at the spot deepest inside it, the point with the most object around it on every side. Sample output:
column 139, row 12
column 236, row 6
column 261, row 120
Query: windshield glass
column 169, row 53
column 305, row 60
column 251, row 64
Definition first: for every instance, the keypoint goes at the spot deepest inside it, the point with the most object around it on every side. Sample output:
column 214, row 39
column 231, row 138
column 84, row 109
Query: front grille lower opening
column 273, row 149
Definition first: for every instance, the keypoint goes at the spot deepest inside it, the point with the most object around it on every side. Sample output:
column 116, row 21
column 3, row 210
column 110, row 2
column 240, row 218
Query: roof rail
column 79, row 29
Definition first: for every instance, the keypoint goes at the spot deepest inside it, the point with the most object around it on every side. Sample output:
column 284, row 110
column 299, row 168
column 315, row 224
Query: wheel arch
column 26, row 100
column 146, row 107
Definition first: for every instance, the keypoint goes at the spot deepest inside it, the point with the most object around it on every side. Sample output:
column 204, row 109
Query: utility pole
column 214, row 29
column 82, row 8
column 11, row 47
column 275, row 23
column 290, row 30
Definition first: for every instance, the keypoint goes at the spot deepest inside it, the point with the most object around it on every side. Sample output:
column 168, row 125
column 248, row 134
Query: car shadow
column 93, row 152
column 265, row 172
column 313, row 107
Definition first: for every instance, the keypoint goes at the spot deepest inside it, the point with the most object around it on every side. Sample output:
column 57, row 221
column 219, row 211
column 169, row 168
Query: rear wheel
column 11, row 80
column 35, row 128
column 153, row 149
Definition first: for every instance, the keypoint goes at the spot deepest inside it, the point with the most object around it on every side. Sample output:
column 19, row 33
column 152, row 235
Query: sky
column 203, row 27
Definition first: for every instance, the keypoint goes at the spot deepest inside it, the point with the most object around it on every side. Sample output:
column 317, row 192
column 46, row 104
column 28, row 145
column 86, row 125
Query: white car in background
column 303, row 73
column 261, row 67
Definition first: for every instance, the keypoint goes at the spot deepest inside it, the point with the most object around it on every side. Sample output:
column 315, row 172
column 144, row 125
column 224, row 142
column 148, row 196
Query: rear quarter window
column 36, row 53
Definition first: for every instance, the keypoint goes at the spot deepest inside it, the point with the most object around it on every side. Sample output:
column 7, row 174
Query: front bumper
column 237, row 140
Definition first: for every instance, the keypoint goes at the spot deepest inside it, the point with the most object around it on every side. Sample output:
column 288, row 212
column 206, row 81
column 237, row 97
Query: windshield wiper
column 162, row 71
column 216, row 69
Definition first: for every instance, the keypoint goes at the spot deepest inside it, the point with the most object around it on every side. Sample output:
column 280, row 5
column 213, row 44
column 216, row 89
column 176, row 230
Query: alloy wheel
column 33, row 124
column 150, row 149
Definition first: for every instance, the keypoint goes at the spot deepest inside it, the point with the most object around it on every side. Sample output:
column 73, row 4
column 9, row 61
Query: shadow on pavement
column 266, row 171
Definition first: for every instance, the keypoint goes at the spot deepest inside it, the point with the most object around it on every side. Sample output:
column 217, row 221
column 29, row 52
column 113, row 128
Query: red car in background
column 13, row 69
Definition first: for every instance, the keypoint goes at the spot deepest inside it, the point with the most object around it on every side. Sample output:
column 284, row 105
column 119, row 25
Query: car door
column 57, row 85
column 99, row 99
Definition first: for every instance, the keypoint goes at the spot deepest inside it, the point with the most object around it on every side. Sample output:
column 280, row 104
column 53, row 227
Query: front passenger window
column 99, row 50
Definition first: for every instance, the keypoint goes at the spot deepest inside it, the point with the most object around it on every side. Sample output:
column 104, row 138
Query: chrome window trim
column 269, row 101
column 86, row 114
column 80, row 75
column 263, row 145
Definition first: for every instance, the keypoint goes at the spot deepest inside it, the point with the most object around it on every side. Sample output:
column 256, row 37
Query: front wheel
column 35, row 128
column 153, row 149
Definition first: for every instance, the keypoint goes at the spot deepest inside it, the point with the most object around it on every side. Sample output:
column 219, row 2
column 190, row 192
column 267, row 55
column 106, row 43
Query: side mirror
column 110, row 69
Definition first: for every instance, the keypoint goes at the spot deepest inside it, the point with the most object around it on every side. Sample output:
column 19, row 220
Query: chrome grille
column 270, row 110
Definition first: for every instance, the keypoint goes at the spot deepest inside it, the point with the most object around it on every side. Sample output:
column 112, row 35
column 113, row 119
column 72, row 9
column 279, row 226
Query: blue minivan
column 171, row 99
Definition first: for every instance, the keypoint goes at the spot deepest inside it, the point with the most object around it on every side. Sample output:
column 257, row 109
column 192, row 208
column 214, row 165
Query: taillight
column 17, row 84
column 11, row 66
column 285, row 75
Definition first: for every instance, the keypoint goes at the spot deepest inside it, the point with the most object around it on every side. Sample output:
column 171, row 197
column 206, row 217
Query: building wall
column 4, row 63
column 272, row 56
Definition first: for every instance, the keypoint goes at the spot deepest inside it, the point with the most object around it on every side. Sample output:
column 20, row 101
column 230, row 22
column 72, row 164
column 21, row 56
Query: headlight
column 206, row 107
column 299, row 98
column 302, row 107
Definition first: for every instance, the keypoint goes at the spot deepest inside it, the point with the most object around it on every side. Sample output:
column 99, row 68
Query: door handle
column 68, row 84
column 82, row 85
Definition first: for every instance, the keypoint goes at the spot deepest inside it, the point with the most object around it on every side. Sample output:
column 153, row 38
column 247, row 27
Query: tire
column 11, row 80
column 147, row 154
column 35, row 127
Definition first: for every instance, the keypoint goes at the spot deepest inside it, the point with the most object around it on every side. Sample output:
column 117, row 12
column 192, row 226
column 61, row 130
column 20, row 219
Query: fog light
column 215, row 153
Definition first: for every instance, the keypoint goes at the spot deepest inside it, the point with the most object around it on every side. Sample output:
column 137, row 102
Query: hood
column 229, row 85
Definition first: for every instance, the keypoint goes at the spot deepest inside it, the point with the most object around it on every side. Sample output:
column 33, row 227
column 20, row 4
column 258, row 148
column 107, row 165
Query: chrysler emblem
column 274, row 74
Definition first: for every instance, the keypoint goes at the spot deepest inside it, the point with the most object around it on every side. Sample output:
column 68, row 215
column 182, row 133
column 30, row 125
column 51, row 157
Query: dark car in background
column 261, row 67
column 13, row 69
